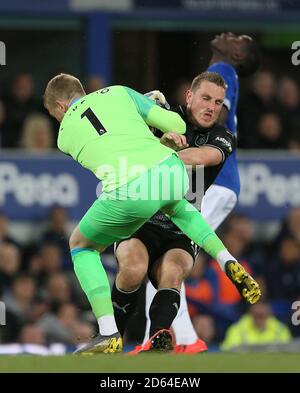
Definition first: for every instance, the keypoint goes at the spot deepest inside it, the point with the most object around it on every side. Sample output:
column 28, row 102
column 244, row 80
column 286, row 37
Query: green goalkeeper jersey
column 107, row 132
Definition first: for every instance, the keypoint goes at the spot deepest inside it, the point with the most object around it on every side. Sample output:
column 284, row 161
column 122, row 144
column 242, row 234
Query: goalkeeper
column 107, row 132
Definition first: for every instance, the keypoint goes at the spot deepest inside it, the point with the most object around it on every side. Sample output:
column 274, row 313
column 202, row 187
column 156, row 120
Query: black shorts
column 157, row 242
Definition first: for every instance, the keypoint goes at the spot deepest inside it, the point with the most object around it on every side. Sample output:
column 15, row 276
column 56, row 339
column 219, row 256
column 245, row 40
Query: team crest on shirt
column 201, row 139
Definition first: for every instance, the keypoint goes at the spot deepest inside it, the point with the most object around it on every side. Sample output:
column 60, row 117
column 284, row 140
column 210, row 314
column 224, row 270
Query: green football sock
column 93, row 280
column 191, row 222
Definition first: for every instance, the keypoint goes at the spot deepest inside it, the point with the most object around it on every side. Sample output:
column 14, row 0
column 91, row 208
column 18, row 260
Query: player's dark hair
column 212, row 77
column 251, row 62
column 62, row 87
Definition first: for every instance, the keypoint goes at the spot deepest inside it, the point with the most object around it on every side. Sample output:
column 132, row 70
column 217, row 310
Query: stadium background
column 145, row 45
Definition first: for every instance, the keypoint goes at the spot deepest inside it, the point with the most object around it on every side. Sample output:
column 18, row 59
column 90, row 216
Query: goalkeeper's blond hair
column 62, row 87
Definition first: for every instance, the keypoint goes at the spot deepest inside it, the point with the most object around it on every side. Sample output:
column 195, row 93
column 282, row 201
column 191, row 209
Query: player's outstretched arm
column 166, row 121
column 155, row 116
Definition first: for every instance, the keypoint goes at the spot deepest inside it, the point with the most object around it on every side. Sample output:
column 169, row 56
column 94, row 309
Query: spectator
column 10, row 261
column 38, row 309
column 288, row 94
column 293, row 224
column 57, row 233
column 199, row 289
column 260, row 99
column 290, row 228
column 37, row 133
column 289, row 99
column 58, row 289
column 19, row 299
column 94, row 83
column 63, row 288
column 180, row 92
column 47, row 261
column 257, row 327
column 205, row 328
column 32, row 334
column 19, row 103
column 283, row 274
column 263, row 89
column 239, row 233
column 240, row 227
column 4, row 230
column 269, row 133
column 64, row 326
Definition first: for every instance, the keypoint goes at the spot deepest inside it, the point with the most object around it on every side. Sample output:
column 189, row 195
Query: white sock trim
column 107, row 325
column 223, row 257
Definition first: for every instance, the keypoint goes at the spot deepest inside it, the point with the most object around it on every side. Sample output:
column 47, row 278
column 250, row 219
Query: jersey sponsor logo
column 225, row 142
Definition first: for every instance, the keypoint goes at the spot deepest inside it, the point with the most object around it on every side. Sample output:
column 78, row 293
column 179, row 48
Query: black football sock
column 163, row 309
column 124, row 304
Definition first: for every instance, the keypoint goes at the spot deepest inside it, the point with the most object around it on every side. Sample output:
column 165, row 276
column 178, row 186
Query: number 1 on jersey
column 93, row 119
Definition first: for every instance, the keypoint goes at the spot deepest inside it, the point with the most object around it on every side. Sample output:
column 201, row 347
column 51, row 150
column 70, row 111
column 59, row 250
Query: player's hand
column 174, row 141
column 158, row 97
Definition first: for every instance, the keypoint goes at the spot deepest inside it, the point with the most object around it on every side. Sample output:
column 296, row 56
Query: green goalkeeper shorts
column 118, row 214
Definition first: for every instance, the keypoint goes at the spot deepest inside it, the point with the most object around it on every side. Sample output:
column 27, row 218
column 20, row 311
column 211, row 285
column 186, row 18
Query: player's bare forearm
column 206, row 155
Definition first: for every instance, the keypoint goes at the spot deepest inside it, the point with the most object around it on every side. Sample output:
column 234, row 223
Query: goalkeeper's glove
column 159, row 98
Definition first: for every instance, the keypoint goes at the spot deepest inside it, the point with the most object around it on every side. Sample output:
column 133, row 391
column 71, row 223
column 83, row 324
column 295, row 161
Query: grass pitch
column 154, row 363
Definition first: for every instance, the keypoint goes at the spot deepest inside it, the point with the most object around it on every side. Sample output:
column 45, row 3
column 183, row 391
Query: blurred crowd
column 268, row 113
column 45, row 304
column 24, row 122
column 215, row 304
